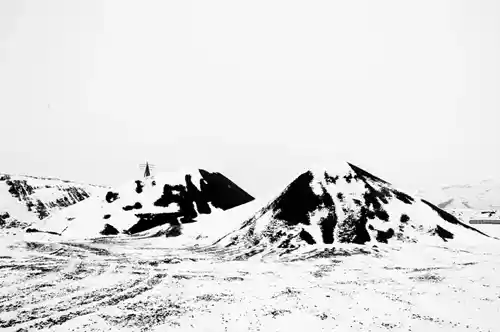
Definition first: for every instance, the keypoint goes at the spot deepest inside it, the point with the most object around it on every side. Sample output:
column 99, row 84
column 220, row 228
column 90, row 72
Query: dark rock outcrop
column 109, row 230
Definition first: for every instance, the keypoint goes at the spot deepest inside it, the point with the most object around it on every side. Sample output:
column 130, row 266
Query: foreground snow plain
column 118, row 284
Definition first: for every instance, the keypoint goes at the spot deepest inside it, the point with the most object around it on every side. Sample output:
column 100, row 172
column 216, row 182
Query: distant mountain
column 158, row 205
column 25, row 199
column 347, row 205
column 484, row 195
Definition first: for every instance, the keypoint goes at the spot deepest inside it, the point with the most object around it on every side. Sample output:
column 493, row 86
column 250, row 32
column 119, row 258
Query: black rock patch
column 34, row 230
column 149, row 220
column 222, row 192
column 111, row 197
column 331, row 179
column 136, row 206
column 20, row 189
column 348, row 178
column 109, row 230
column 173, row 231
column 364, row 174
column 404, row 218
column 197, row 196
column 107, row 216
column 304, row 235
column 382, row 214
column 327, row 226
column 297, row 201
column 41, row 210
column 383, row 236
column 178, row 194
column 407, row 199
column 138, row 186
column 443, row 233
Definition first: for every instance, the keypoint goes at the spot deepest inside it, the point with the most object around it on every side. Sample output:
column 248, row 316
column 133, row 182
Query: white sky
column 254, row 89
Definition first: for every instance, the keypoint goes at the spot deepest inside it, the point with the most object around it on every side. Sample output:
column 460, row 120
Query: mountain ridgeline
column 25, row 199
column 169, row 200
column 348, row 205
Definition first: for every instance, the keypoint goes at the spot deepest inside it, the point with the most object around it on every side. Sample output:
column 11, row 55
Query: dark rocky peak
column 345, row 205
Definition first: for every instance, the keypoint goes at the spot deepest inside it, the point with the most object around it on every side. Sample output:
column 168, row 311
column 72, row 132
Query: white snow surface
column 144, row 285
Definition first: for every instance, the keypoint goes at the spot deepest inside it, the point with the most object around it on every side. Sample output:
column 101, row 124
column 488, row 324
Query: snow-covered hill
column 25, row 199
column 153, row 206
column 484, row 195
column 348, row 205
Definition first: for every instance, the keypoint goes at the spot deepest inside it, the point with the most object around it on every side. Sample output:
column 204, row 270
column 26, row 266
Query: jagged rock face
column 166, row 199
column 349, row 205
column 25, row 198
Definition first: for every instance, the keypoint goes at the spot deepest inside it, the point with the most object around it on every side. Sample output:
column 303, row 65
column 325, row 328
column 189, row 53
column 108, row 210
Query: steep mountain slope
column 157, row 205
column 25, row 199
column 484, row 195
column 347, row 205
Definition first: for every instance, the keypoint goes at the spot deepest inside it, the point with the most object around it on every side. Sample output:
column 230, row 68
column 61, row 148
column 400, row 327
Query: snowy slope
column 153, row 206
column 348, row 205
column 484, row 195
column 25, row 199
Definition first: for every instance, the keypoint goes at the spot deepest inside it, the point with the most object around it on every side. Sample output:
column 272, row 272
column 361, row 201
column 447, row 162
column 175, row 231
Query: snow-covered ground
column 143, row 285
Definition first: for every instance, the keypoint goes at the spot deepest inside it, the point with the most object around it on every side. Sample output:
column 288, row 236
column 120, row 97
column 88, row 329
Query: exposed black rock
column 327, row 226
column 109, row 230
column 33, row 230
column 173, row 231
column 138, row 186
column 443, row 233
column 331, row 179
column 403, row 197
column 20, row 189
column 193, row 194
column 178, row 194
column 111, row 197
column 304, row 235
column 41, row 210
column 364, row 174
column 150, row 220
column 222, row 192
column 383, row 236
column 297, row 201
column 136, row 206
column 107, row 216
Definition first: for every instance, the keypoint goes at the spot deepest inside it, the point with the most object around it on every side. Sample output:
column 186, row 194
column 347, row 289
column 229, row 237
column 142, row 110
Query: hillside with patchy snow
column 348, row 205
column 153, row 206
column 25, row 199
